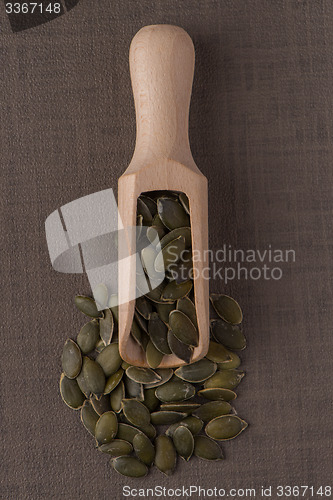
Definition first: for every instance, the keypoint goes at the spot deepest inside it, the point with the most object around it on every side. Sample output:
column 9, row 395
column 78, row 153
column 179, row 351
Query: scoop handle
column 162, row 68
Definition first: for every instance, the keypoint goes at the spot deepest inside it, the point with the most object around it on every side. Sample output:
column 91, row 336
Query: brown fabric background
column 261, row 131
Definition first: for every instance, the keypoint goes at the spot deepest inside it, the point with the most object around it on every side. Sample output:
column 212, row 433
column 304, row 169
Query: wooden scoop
column 162, row 66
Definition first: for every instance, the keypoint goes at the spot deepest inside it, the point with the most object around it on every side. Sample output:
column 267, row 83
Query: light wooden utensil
column 162, row 66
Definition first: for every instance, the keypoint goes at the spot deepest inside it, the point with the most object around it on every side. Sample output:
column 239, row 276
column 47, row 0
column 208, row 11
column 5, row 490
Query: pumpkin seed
column 125, row 365
column 144, row 307
column 88, row 336
column 175, row 390
column 70, row 392
column 71, row 359
column 113, row 381
column 139, row 224
column 149, row 430
column 150, row 400
column 217, row 353
column 183, row 328
column 133, row 389
column 106, row 326
column 89, row 417
column 106, row 427
column 138, row 334
column 186, row 306
column 109, row 359
column 153, row 355
column 94, row 376
column 87, row 305
column 143, row 210
column 169, row 255
column 129, row 466
column 213, row 409
column 182, row 271
column 99, row 346
column 166, row 417
column 184, row 442
column 164, row 310
column 148, row 258
column 207, row 449
column 165, row 374
column 229, row 335
column 116, row 448
column 113, row 305
column 185, row 202
column 116, row 397
column 156, row 292
column 171, row 213
column 218, row 394
column 174, row 291
column 127, row 432
column 136, row 412
column 100, row 294
column 197, row 372
column 185, row 232
column 194, row 424
column 155, row 233
column 225, row 427
column 158, row 333
column 150, row 203
column 165, row 455
column 144, row 449
column 81, row 379
column 181, row 407
column 226, row 379
column 157, row 223
column 100, row 405
column 233, row 363
column 227, row 308
column 143, row 375
column 181, row 350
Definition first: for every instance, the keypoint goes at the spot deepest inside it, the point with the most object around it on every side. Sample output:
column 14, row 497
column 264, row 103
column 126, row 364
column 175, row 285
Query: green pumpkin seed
column 127, row 432
column 116, row 397
column 113, row 305
column 218, row 394
column 71, row 393
column 171, row 213
column 156, row 292
column 143, row 375
column 144, row 307
column 194, row 424
column 186, row 306
column 183, row 328
column 89, row 417
column 158, row 333
column 157, row 223
column 185, row 232
column 166, row 417
column 184, row 442
column 226, row 379
column 125, row 365
column 181, row 350
column 136, row 412
column 143, row 210
column 181, row 407
column 227, row 308
column 81, row 379
column 165, row 374
column 149, row 255
column 217, row 353
column 164, row 310
column 213, row 409
column 100, row 405
column 149, row 430
column 71, row 359
column 106, row 327
column 99, row 346
column 133, row 389
column 150, row 400
column 175, row 390
column 144, row 449
column 182, row 271
column 138, row 334
column 185, row 202
column 174, row 291
column 109, row 359
column 129, row 466
column 165, row 456
column 113, row 381
column 88, row 336
column 233, row 363
column 197, row 372
column 229, row 335
column 100, row 294
column 207, row 449
column 154, row 234
column 87, row 305
column 150, row 203
column 153, row 355
column 225, row 427
column 106, row 427
column 116, row 448
column 169, row 255
column 94, row 376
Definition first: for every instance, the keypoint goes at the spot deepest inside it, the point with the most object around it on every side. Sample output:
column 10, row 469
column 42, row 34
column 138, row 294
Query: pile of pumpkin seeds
column 142, row 417
column 165, row 319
